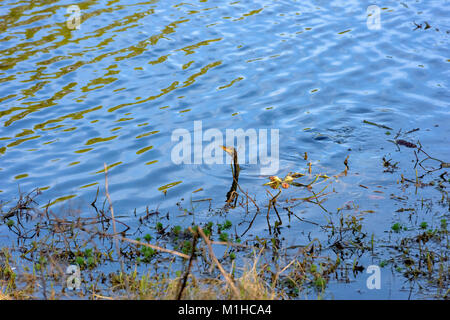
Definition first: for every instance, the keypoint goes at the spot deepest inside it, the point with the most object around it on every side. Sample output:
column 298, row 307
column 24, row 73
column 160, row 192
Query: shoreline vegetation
column 161, row 260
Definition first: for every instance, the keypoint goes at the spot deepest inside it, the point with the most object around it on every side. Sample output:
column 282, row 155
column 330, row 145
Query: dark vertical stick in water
column 188, row 270
column 111, row 209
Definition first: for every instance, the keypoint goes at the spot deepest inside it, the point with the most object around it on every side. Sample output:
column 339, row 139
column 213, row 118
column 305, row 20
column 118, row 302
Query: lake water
column 116, row 89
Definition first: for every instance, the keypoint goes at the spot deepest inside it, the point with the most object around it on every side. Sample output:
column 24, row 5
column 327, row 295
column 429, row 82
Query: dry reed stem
column 157, row 248
column 188, row 270
column 277, row 275
column 4, row 296
column 111, row 209
column 230, row 244
column 97, row 296
column 214, row 258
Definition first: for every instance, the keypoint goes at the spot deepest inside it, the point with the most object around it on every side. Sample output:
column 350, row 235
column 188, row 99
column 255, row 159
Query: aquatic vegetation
column 164, row 259
column 396, row 227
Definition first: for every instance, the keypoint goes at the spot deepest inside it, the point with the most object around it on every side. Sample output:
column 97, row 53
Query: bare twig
column 111, row 209
column 214, row 258
column 156, row 247
column 188, row 270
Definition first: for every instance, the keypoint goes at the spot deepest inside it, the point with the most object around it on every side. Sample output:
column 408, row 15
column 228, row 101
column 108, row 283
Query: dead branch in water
column 214, row 258
column 188, row 270
column 111, row 209
column 182, row 255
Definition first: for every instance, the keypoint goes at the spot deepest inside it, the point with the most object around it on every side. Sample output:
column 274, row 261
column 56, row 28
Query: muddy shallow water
column 116, row 89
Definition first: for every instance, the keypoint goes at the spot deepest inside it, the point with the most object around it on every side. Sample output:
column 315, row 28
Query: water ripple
column 115, row 90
